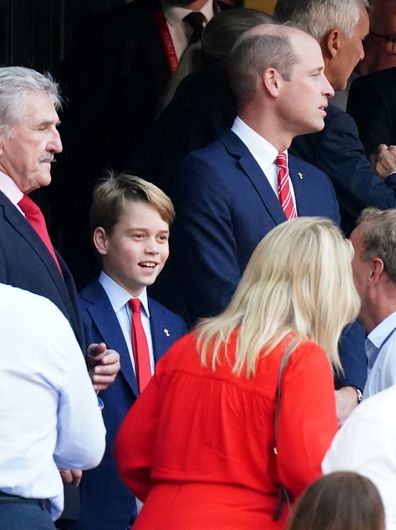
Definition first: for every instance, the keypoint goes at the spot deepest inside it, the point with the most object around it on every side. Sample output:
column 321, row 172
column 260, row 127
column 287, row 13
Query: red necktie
column 36, row 219
column 284, row 190
column 140, row 348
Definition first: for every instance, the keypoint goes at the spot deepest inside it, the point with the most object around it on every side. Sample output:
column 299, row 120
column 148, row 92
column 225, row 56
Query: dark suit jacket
column 112, row 80
column 105, row 502
column 338, row 151
column 26, row 263
column 372, row 103
column 225, row 206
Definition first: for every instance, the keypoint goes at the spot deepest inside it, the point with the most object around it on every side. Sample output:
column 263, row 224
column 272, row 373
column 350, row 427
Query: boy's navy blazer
column 101, row 325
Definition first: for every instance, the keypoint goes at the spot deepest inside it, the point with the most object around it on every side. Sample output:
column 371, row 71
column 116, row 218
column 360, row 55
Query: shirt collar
column 10, row 189
column 380, row 333
column 118, row 296
column 175, row 14
column 255, row 143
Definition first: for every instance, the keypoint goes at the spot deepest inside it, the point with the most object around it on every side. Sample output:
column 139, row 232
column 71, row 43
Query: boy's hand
column 103, row 365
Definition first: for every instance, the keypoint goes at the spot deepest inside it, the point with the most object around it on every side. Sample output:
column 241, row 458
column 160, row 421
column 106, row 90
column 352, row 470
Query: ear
column 1, row 143
column 272, row 81
column 332, row 43
column 377, row 269
column 100, row 240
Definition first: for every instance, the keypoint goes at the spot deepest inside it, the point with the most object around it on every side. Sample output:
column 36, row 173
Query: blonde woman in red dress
column 198, row 445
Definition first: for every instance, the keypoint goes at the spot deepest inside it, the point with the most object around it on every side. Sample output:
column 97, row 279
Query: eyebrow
column 317, row 70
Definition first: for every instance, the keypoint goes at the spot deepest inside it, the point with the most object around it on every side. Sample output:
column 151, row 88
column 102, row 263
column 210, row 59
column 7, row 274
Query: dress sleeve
column 307, row 420
column 135, row 441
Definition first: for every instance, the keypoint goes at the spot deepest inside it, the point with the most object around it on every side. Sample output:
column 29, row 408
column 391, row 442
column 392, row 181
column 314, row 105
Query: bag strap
column 283, row 496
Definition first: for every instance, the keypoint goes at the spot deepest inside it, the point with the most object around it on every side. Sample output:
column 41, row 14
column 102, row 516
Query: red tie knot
column 135, row 304
column 28, row 206
column 281, row 159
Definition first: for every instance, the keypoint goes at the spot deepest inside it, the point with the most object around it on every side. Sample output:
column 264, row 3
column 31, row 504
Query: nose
column 152, row 247
column 327, row 90
column 362, row 54
column 54, row 143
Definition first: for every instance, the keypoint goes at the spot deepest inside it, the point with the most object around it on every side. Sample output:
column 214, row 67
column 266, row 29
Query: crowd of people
column 248, row 381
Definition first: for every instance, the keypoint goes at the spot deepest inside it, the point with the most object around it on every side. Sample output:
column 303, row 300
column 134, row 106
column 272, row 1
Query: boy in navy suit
column 130, row 221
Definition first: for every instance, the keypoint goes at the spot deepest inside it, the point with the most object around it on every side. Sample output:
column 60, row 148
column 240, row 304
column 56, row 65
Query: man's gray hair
column 252, row 55
column 379, row 237
column 15, row 83
column 318, row 17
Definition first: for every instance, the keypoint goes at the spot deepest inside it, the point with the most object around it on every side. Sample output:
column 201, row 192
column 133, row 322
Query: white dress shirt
column 262, row 151
column 10, row 190
column 49, row 415
column 366, row 443
column 381, row 356
column 119, row 298
column 179, row 30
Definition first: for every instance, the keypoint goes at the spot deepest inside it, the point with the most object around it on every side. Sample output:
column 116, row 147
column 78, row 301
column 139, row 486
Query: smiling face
column 26, row 153
column 304, row 97
column 136, row 250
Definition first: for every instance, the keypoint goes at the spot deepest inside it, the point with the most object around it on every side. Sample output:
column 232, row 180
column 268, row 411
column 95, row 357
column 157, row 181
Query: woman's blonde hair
column 299, row 281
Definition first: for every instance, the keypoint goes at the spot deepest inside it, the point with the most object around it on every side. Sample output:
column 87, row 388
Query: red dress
column 197, row 446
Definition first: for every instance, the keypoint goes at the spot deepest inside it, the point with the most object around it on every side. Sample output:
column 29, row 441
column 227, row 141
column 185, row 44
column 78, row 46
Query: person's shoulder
column 382, row 78
column 39, row 316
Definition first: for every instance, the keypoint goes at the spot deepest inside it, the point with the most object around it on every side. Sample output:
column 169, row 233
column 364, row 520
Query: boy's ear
column 100, row 240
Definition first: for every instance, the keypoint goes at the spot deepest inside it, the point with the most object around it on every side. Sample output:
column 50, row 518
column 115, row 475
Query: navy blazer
column 224, row 207
column 105, row 502
column 25, row 262
column 338, row 151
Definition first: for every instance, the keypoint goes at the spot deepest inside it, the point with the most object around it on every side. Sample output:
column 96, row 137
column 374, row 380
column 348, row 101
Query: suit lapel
column 162, row 333
column 107, row 323
column 20, row 225
column 250, row 167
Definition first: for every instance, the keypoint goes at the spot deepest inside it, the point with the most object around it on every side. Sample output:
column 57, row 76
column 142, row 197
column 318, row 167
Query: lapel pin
column 300, row 176
column 166, row 332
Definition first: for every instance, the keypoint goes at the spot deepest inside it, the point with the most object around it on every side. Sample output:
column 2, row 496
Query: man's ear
column 272, row 81
column 332, row 43
column 377, row 268
column 1, row 143
column 100, row 240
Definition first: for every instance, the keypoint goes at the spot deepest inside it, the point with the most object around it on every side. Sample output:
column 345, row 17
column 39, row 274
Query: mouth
column 323, row 109
column 148, row 264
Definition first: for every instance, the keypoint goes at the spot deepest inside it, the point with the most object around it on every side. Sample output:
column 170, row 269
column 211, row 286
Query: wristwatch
column 359, row 394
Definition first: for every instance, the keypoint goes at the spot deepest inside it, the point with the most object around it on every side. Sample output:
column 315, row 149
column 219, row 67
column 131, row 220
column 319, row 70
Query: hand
column 71, row 476
column 346, row 400
column 103, row 365
column 385, row 160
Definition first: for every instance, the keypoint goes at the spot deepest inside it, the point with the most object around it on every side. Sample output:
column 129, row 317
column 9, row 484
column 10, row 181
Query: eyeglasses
column 386, row 38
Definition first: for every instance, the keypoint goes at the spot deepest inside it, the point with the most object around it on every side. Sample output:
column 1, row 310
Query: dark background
column 37, row 33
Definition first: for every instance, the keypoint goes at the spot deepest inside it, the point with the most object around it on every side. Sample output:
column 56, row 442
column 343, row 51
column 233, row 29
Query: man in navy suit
column 130, row 220
column 340, row 27
column 29, row 141
column 226, row 194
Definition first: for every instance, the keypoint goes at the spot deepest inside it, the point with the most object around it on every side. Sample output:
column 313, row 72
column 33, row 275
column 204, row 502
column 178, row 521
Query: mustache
column 47, row 158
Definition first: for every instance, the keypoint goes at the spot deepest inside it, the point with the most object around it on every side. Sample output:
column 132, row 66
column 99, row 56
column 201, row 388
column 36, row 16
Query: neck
column 267, row 127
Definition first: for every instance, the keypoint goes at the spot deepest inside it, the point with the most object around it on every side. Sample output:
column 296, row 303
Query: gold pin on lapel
column 166, row 332
column 300, row 176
